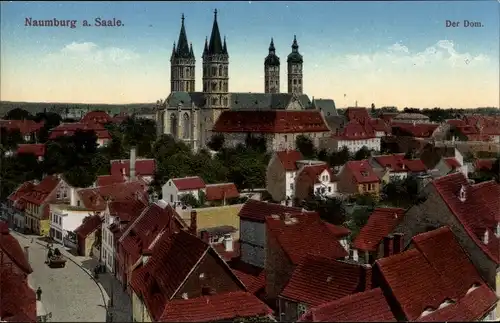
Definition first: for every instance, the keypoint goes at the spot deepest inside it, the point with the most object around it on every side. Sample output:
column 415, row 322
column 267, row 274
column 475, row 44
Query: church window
column 300, row 81
column 181, row 73
column 185, row 126
column 205, row 89
column 188, row 74
column 214, row 101
column 225, row 101
column 294, row 82
column 205, row 70
column 214, row 71
column 214, row 86
column 225, row 86
column 220, row 70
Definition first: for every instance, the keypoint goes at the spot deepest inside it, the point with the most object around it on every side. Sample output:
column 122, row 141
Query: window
column 214, row 71
column 77, row 203
column 301, row 309
column 181, row 73
column 220, row 70
column 291, row 186
column 286, row 138
column 171, row 198
column 329, row 189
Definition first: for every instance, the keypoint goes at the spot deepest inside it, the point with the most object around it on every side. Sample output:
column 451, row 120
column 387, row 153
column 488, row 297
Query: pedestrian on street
column 39, row 294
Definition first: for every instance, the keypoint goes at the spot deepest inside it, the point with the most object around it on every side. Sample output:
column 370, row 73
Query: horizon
column 393, row 54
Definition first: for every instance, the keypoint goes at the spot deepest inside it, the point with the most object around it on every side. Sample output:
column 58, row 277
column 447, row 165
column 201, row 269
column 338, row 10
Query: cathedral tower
column 215, row 70
column 272, row 71
column 295, row 63
column 182, row 64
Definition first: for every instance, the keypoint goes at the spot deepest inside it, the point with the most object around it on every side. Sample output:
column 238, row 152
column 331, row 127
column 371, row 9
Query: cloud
column 90, row 52
column 443, row 53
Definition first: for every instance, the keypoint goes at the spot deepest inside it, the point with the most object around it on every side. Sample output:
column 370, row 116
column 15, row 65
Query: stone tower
column 182, row 64
column 272, row 71
column 295, row 62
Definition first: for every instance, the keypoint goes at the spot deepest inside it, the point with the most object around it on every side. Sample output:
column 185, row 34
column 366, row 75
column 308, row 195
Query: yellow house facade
column 139, row 311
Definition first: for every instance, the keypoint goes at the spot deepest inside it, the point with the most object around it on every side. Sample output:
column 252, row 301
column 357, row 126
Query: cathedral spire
column 215, row 45
column 295, row 46
column 173, row 51
column 182, row 44
column 205, row 49
column 224, row 46
column 191, row 52
column 272, row 49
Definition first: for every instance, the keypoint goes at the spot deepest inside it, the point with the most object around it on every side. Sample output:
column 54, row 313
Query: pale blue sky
column 390, row 53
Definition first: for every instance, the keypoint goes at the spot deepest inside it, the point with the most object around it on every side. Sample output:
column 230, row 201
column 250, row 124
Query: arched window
column 220, row 70
column 173, row 125
column 186, row 126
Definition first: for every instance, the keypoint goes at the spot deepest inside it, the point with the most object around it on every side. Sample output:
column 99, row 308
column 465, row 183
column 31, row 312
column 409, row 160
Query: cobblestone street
column 69, row 293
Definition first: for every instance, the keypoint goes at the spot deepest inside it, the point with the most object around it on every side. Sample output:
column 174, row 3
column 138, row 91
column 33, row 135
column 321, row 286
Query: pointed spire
column 205, row 49
column 182, row 44
column 294, row 56
column 272, row 59
column 173, row 52
column 295, row 46
column 272, row 49
column 224, row 46
column 191, row 52
column 215, row 45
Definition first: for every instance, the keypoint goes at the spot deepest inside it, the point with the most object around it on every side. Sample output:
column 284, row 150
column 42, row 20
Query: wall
column 276, row 179
column 139, row 311
column 278, row 269
column 167, row 190
column 333, row 144
column 346, row 182
column 253, row 242
column 211, row 217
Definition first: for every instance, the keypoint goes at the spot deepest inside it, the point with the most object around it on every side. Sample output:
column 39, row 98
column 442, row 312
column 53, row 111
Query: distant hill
column 61, row 108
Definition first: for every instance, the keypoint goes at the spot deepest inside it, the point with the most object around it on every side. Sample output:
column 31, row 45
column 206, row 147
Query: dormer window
column 498, row 230
column 486, row 237
column 461, row 195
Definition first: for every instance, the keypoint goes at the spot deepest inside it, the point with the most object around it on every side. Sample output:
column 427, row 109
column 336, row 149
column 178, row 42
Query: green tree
column 10, row 138
column 256, row 143
column 357, row 220
column 366, row 199
column 339, row 158
column 216, row 142
column 329, row 209
column 190, row 200
column 305, row 145
column 18, row 114
column 362, row 153
column 51, row 120
column 139, row 133
column 323, row 155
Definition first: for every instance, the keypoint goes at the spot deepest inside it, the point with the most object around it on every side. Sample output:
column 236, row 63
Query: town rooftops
column 253, row 277
column 476, row 207
column 313, row 172
column 12, row 249
column 127, row 210
column 452, row 162
column 398, row 163
column 318, row 280
column 69, row 129
column 410, row 116
column 357, row 114
column 21, row 191
column 297, row 236
column 95, row 198
column 355, row 131
column 434, row 275
column 89, row 225
column 271, row 122
column 36, row 149
column 18, row 301
column 368, row 306
column 362, row 171
column 254, row 210
column 143, row 167
column 484, row 164
column 221, row 191
column 100, row 117
column 289, row 158
column 25, row 127
column 189, row 183
column 41, row 191
column 380, row 223
column 419, row 130
column 105, row 180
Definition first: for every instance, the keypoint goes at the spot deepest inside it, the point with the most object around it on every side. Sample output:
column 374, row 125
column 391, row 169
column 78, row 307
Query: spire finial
column 294, row 37
column 182, row 18
column 215, row 13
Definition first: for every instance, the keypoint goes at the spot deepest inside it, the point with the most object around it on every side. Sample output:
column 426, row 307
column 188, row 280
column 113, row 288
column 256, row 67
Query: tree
column 330, row 209
column 357, row 220
column 216, row 142
column 51, row 120
column 139, row 133
column 305, row 146
column 256, row 143
column 366, row 199
column 190, row 200
column 373, row 108
column 362, row 153
column 323, row 155
column 18, row 114
column 10, row 138
column 340, row 157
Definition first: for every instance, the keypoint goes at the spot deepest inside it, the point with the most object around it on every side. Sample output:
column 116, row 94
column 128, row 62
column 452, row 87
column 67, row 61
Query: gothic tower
column 272, row 71
column 295, row 63
column 215, row 70
column 182, row 64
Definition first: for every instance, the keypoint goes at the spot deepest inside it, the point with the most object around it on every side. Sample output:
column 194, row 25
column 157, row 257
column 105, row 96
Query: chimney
column 146, row 253
column 193, row 227
column 228, row 242
column 388, row 245
column 398, row 243
column 27, row 253
column 132, row 163
column 365, row 283
column 205, row 236
column 72, row 196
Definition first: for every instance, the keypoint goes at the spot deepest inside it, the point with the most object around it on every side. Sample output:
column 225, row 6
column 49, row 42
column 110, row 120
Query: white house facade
column 64, row 220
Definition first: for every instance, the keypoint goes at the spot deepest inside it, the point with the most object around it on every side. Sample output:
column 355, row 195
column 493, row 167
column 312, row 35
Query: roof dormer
column 486, row 237
column 462, row 196
column 497, row 233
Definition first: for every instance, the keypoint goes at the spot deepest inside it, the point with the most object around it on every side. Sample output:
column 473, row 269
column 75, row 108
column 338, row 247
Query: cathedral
column 190, row 115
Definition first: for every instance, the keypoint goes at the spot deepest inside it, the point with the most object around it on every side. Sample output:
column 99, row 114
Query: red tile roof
column 397, row 163
column 379, row 125
column 253, row 277
column 18, row 300
column 484, row 164
column 21, row 191
column 36, row 149
column 214, row 308
column 456, row 122
column 478, row 214
column 298, row 237
column 143, row 167
column 222, row 191
column 318, row 280
column 338, row 231
column 189, row 183
column 89, row 225
column 355, row 131
column 254, row 210
column 24, row 126
column 289, row 158
column 419, row 130
column 42, row 190
column 105, row 180
column 387, row 117
column 361, row 171
column 380, row 223
column 452, row 162
column 368, row 306
column 271, row 122
column 313, row 173
column 100, row 117
column 435, row 271
column 127, row 210
column 13, row 250
column 69, row 129
column 95, row 198
column 357, row 114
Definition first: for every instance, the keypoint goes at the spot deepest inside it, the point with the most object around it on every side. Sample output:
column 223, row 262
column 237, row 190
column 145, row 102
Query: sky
column 388, row 53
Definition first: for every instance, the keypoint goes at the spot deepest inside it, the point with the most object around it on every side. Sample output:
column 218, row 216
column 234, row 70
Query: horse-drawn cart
column 56, row 259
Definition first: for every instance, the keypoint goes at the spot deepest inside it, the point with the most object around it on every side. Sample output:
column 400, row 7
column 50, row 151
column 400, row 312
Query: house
column 38, row 150
column 325, row 106
column 36, row 201
column 134, row 168
column 399, row 167
column 359, row 114
column 253, row 277
column 28, row 128
column 374, row 240
column 354, row 136
column 415, row 130
column 105, row 180
column 280, row 174
column 484, row 164
column 174, row 189
column 88, row 237
column 471, row 211
column 69, row 129
column 431, row 155
column 64, row 220
column 181, row 278
column 411, row 118
column 156, row 219
column 221, row 193
column 290, row 237
column 449, row 165
column 318, row 280
column 118, row 213
column 253, row 229
column 367, row 306
column 358, row 177
column 99, row 117
column 279, row 128
column 13, row 209
column 18, row 301
column 476, row 128
column 435, row 281
column 315, row 180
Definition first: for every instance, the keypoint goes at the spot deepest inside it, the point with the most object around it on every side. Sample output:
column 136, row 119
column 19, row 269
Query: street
column 68, row 293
